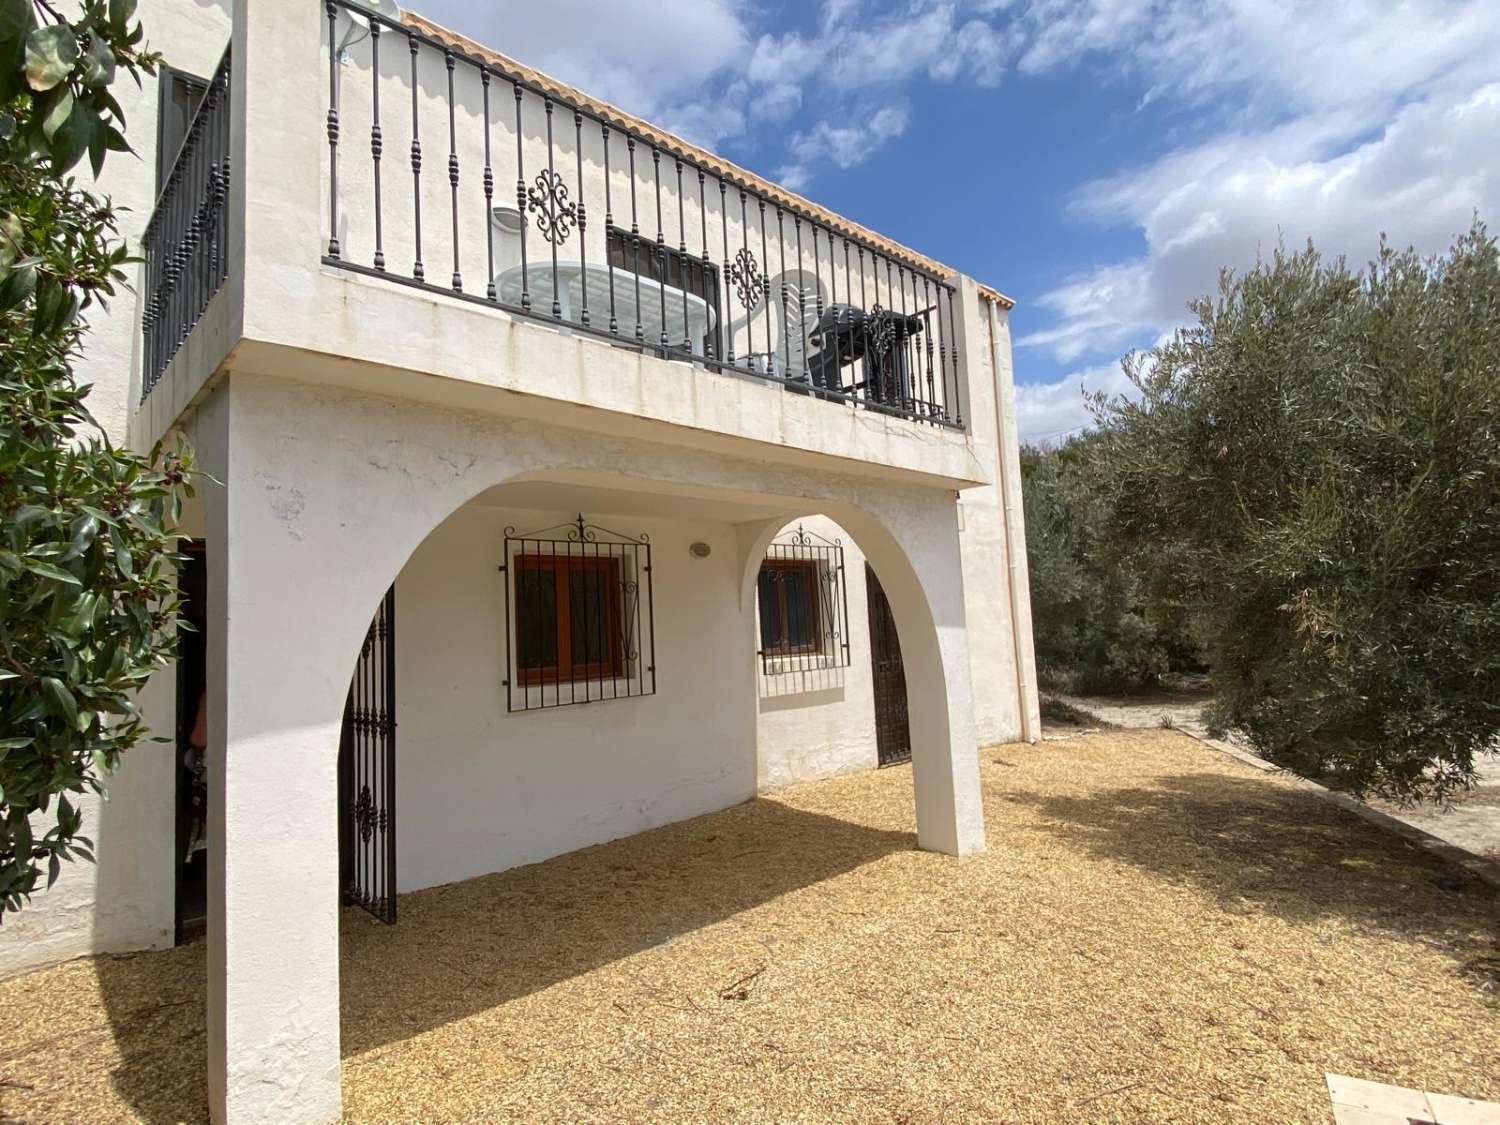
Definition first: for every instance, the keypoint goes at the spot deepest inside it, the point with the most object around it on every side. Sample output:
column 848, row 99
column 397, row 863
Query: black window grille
column 579, row 618
column 186, row 240
column 804, row 607
column 682, row 271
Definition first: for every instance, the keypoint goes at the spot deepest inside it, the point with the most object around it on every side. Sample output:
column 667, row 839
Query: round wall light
column 700, row 550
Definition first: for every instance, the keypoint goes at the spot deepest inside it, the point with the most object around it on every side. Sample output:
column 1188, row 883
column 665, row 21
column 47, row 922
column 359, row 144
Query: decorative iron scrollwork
column 599, row 609
column 364, row 814
column 367, row 771
column 745, row 274
column 555, row 213
column 824, row 558
column 880, row 333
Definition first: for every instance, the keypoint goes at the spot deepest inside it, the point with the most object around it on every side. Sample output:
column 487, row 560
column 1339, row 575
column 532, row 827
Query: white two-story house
column 566, row 480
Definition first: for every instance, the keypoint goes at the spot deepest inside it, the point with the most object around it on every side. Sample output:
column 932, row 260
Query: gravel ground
column 1471, row 821
column 1157, row 933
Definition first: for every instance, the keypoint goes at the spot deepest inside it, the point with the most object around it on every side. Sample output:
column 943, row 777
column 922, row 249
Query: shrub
column 87, row 601
column 1094, row 630
column 1317, row 462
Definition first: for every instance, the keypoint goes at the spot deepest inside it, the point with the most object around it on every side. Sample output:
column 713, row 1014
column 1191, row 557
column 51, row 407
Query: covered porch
column 518, row 735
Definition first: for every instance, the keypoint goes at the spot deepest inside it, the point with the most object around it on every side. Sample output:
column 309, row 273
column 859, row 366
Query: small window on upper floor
column 181, row 94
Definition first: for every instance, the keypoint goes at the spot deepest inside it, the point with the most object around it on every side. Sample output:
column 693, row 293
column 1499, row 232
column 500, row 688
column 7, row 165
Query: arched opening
column 484, row 786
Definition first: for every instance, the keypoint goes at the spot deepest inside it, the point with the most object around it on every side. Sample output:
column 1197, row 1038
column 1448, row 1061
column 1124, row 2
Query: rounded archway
column 343, row 493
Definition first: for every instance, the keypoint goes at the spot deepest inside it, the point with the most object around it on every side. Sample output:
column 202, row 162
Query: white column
column 274, row 711
column 912, row 542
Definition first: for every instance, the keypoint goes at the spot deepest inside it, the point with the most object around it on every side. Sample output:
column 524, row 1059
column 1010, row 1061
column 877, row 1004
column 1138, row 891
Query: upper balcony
column 385, row 191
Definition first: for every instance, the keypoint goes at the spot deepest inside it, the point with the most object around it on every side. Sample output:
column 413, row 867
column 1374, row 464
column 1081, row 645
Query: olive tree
column 87, row 600
column 1316, row 462
column 1096, row 630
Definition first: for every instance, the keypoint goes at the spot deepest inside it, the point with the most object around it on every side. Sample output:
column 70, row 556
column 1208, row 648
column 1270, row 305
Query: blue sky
column 1097, row 160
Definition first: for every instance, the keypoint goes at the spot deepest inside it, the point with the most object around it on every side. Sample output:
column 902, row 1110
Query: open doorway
column 892, row 728
column 191, row 863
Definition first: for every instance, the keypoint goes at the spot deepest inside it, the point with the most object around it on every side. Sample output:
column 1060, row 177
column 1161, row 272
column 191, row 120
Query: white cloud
column 847, row 143
column 1346, row 119
column 650, row 57
column 698, row 67
column 1335, row 119
column 1224, row 204
column 1050, row 412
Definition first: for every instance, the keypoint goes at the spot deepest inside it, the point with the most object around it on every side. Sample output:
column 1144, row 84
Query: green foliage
column 1318, row 462
column 1095, row 630
column 88, row 606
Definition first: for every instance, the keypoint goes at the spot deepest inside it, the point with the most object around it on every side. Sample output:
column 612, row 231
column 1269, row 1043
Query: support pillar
column 273, row 728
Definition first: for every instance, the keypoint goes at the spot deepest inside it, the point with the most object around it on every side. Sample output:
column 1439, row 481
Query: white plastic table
column 570, row 280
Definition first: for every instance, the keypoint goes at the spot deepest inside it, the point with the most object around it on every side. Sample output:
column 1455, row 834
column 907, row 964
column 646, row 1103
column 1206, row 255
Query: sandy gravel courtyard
column 1157, row 933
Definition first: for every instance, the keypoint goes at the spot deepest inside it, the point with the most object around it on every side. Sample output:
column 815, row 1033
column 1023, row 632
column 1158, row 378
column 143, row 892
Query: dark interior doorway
column 367, row 771
column 892, row 732
column 191, row 866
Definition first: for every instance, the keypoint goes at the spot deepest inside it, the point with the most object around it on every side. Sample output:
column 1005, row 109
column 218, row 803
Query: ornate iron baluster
column 942, row 350
column 333, row 131
column 749, row 282
column 583, row 224
column 786, row 328
column 458, row 283
column 728, row 268
column 609, row 225
column 682, row 259
column 801, row 301
column 549, row 198
column 521, row 202
column 376, row 144
column 661, row 246
column 635, row 241
column 489, row 191
column 708, row 344
column 903, row 376
column 817, row 301
column 958, row 405
column 833, row 305
column 864, row 327
column 927, row 321
column 416, row 160
column 765, row 287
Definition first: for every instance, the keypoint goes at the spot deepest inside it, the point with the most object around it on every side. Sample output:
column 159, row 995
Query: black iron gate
column 367, row 772
column 892, row 733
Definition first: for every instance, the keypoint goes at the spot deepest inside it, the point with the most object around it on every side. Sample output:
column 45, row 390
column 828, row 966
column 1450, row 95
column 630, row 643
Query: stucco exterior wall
column 821, row 721
column 480, row 789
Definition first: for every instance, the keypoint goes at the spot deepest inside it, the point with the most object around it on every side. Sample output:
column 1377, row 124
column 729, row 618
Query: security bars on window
column 579, row 619
column 186, row 240
column 804, row 607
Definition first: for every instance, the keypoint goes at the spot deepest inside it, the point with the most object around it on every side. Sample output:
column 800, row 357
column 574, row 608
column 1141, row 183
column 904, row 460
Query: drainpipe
column 1015, row 537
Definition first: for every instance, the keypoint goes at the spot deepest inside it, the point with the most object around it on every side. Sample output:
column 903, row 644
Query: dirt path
column 1472, row 822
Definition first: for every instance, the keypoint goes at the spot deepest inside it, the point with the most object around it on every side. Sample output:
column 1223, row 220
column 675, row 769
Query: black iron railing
column 186, row 244
column 774, row 290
